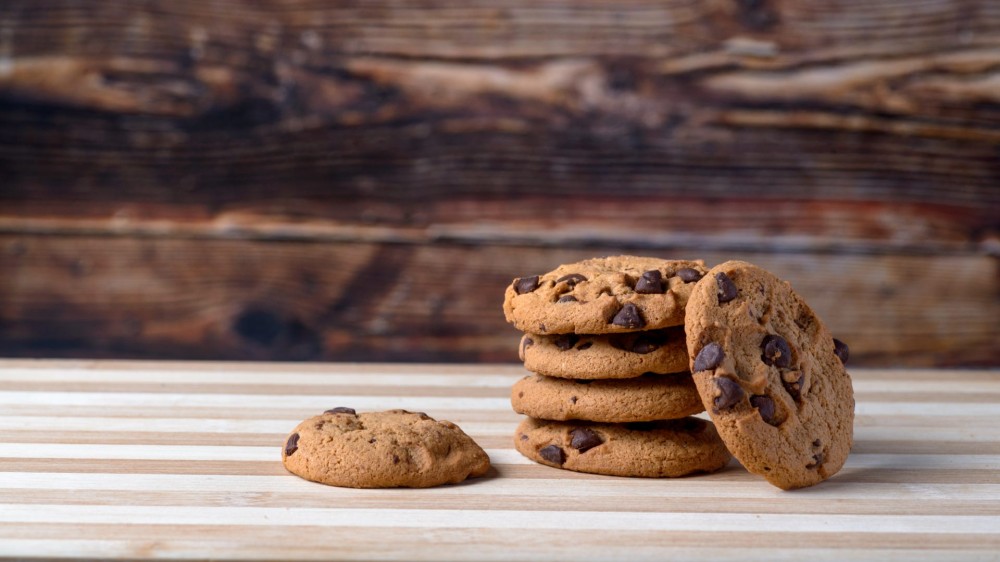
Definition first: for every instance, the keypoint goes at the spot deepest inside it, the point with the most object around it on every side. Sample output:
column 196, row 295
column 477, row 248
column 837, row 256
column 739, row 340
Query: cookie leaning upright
column 770, row 375
column 603, row 295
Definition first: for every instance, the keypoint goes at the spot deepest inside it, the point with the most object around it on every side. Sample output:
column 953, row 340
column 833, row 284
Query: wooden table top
column 182, row 460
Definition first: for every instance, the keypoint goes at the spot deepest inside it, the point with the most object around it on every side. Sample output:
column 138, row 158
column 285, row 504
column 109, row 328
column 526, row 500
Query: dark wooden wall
column 317, row 180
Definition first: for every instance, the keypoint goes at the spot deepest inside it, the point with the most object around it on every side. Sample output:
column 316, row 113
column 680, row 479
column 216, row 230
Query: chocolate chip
column 553, row 454
column 524, row 437
column 643, row 345
column 727, row 289
column 567, row 298
column 709, row 357
column 572, row 399
column 688, row 275
column 775, row 351
column 292, row 444
column 341, row 410
column 841, row 351
column 629, row 317
column 651, row 283
column 792, row 381
column 395, row 459
column 525, row 344
column 817, row 443
column 566, row 341
column 817, row 460
column 730, row 393
column 584, row 439
column 526, row 284
column 585, row 345
column 571, row 279
column 765, row 407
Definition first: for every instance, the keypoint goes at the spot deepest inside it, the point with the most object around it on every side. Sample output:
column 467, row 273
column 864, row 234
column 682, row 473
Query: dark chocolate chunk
column 571, row 279
column 727, row 289
column 553, row 454
column 689, row 275
column 651, row 283
column 573, row 399
column 526, row 284
column 341, row 410
column 817, row 443
column 566, row 341
column 567, row 298
column 585, row 345
column 709, row 357
column 765, row 407
column 629, row 317
column 817, row 460
column 840, row 350
column 792, row 381
column 644, row 344
column 395, row 459
column 584, row 439
column 730, row 393
column 775, row 351
column 292, row 445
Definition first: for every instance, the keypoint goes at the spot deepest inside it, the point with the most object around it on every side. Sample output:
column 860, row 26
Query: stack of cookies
column 625, row 349
column 611, row 391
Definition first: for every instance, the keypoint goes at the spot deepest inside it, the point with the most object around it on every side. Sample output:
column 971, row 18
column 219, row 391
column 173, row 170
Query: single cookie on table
column 770, row 375
column 603, row 295
column 646, row 398
column 388, row 449
column 657, row 449
column 605, row 356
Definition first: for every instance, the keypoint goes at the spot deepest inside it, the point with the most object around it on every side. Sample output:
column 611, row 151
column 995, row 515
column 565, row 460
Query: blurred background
column 332, row 180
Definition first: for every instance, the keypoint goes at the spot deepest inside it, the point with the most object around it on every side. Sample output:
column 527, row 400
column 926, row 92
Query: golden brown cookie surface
column 388, row 449
column 651, row 449
column 770, row 375
column 646, row 398
column 605, row 356
column 603, row 295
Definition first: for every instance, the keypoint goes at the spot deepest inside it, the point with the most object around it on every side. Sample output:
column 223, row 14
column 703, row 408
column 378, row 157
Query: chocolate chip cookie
column 649, row 449
column 603, row 295
column 605, row 356
column 382, row 450
column 770, row 375
column 645, row 398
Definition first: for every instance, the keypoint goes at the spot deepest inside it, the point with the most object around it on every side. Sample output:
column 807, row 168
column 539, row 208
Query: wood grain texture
column 353, row 156
column 363, row 301
column 197, row 474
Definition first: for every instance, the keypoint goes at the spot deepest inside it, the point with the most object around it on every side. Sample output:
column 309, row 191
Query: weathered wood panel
column 184, row 179
column 856, row 100
column 234, row 299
